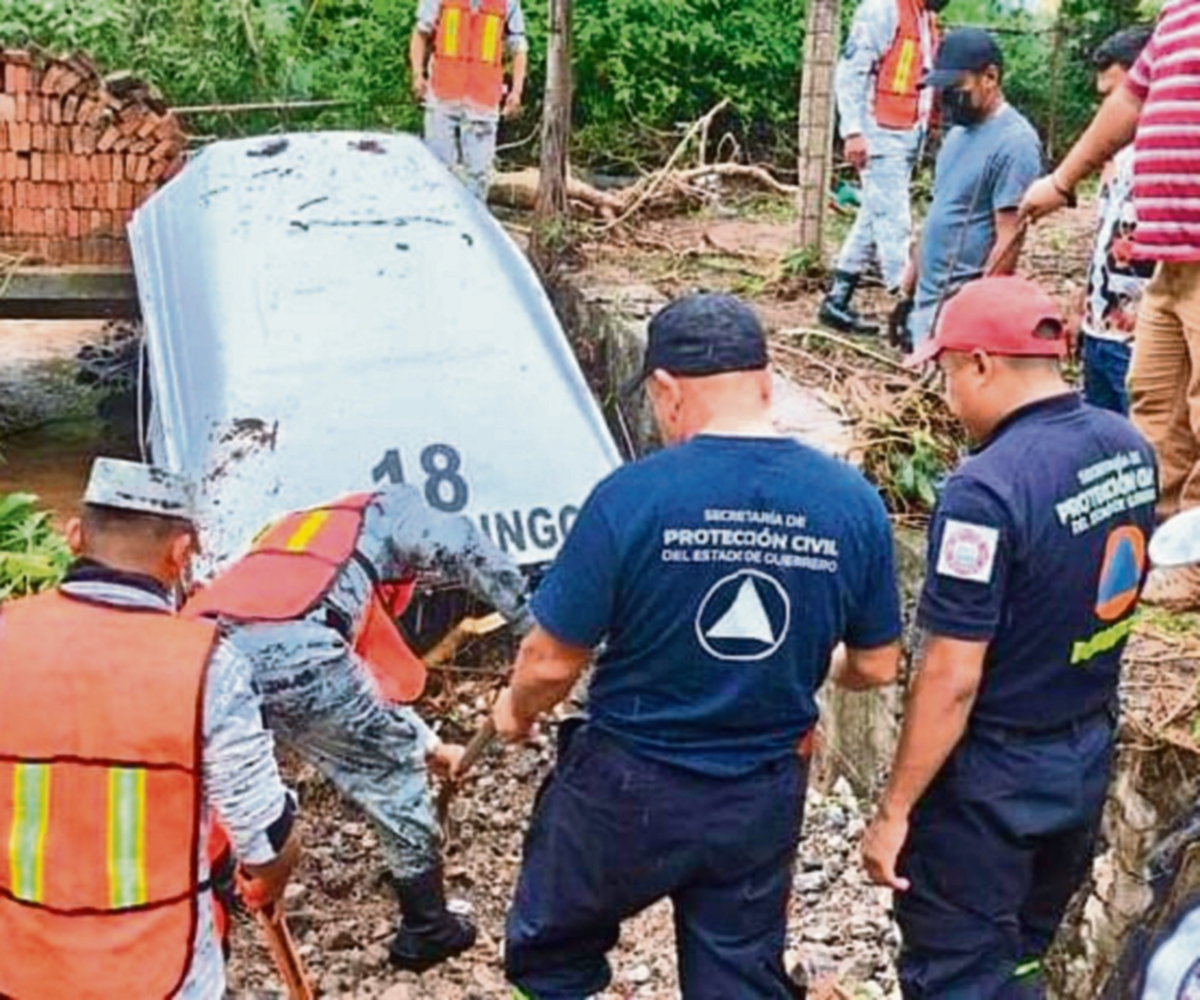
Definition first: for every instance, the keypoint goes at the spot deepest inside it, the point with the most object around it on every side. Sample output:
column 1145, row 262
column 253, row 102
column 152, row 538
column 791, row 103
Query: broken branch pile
column 905, row 438
column 78, row 152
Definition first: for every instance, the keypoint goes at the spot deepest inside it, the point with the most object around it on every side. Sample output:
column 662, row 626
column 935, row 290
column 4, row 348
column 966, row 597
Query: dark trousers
column 997, row 847
column 1105, row 370
column 613, row 833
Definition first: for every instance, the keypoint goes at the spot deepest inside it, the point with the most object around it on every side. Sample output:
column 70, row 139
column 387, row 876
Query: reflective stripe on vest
column 288, row 572
column 897, row 83
column 100, row 798
column 27, row 837
column 468, row 54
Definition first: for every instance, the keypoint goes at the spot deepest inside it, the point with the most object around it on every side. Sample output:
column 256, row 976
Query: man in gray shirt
column 989, row 158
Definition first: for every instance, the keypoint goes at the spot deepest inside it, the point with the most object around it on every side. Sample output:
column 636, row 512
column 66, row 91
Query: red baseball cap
column 1003, row 315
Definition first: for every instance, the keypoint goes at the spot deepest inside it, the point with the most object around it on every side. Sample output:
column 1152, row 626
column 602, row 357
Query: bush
column 33, row 556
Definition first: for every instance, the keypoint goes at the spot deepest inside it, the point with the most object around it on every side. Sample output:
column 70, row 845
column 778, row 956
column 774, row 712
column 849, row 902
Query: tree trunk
column 816, row 118
column 550, row 212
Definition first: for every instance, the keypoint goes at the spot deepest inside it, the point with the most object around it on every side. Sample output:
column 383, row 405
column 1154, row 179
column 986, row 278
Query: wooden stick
column 656, row 180
column 866, row 352
column 287, row 960
column 475, row 749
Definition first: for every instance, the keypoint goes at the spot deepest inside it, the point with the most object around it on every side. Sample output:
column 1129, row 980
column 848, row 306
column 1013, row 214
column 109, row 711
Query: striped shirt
column 1166, row 80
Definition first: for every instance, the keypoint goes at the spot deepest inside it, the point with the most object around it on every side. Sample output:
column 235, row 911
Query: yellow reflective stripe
column 304, row 534
column 490, row 50
column 904, row 67
column 126, row 837
column 450, row 33
column 27, row 838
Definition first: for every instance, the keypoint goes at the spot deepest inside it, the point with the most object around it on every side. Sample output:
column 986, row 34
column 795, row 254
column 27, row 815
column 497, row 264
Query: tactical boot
column 429, row 933
column 836, row 311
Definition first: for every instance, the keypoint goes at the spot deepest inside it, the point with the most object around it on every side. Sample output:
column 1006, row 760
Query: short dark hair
column 1122, row 49
column 158, row 528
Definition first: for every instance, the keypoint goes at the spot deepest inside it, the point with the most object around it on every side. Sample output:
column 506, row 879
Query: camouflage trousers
column 883, row 227
column 319, row 700
column 466, row 144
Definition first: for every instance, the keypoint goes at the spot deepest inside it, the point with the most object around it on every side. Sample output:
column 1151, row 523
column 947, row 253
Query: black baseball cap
column 703, row 334
column 964, row 50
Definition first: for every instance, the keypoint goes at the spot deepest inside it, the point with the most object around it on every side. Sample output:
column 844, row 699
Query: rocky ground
column 342, row 916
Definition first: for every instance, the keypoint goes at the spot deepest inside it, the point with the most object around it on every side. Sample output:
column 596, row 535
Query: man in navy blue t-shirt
column 717, row 577
column 1037, row 555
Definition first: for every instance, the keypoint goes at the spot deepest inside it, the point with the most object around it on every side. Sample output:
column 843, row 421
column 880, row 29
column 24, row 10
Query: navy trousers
column 997, row 847
column 613, row 833
column 1105, row 373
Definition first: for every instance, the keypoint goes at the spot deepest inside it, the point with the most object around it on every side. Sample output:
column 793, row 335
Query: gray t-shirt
column 991, row 164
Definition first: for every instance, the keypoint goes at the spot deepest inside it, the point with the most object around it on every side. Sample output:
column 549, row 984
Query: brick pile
column 78, row 152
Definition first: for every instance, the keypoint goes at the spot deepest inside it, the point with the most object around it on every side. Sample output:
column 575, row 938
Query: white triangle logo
column 745, row 619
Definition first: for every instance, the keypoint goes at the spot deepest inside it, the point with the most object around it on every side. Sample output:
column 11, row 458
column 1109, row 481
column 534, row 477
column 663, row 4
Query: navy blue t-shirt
column 1038, row 546
column 720, row 574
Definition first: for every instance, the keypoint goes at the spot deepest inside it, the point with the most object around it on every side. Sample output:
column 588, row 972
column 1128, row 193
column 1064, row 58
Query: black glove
column 898, row 335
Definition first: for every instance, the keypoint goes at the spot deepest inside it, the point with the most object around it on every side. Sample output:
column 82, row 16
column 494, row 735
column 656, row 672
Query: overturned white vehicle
column 329, row 311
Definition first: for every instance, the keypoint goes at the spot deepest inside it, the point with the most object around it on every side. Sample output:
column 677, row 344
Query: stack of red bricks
column 78, row 152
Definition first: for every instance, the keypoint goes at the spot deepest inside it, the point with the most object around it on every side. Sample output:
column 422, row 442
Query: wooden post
column 1056, row 69
column 817, row 108
column 550, row 212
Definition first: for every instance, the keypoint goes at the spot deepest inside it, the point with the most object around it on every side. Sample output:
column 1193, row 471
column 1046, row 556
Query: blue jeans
column 613, row 833
column 997, row 847
column 1105, row 370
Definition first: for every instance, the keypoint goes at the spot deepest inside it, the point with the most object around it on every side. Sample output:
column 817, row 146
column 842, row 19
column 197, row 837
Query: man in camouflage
column 320, row 698
column 884, row 116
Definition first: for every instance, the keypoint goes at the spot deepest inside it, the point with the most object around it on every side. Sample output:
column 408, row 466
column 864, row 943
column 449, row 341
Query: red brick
column 96, row 222
column 124, row 196
column 22, row 173
column 103, row 167
column 70, row 107
column 8, row 108
column 6, row 194
column 3, row 136
column 10, row 165
column 35, row 167
column 37, row 136
column 35, row 108
column 22, row 107
column 142, row 170
column 73, row 224
column 37, row 222
column 21, row 135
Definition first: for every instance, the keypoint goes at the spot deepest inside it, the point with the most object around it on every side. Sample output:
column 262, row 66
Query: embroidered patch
column 968, row 551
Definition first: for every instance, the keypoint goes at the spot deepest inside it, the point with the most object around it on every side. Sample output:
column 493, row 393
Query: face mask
column 934, row 6
column 957, row 108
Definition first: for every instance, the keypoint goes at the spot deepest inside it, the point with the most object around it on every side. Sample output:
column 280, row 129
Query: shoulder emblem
column 968, row 551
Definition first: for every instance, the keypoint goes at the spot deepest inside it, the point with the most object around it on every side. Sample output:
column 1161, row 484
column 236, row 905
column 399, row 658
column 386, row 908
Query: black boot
column 836, row 310
column 429, row 933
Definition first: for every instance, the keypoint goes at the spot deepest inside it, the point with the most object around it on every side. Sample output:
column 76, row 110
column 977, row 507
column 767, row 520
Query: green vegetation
column 642, row 66
column 33, row 555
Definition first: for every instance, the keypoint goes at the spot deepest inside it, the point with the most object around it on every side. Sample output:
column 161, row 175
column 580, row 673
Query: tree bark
column 550, row 211
column 816, row 118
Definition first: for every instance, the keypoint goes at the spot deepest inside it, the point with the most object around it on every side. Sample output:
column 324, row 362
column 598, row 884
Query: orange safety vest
column 468, row 53
column 101, row 735
column 897, row 93
column 289, row 570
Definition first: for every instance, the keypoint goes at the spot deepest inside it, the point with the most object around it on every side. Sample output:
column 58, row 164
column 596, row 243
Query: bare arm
column 1112, row 128
column 544, row 674
column 1010, row 238
column 934, row 722
column 863, row 669
column 418, row 54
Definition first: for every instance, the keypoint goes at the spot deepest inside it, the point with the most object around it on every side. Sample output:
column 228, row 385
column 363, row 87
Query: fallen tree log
column 674, row 189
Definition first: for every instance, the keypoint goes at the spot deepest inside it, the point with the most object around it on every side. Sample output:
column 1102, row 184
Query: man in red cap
column 1037, row 557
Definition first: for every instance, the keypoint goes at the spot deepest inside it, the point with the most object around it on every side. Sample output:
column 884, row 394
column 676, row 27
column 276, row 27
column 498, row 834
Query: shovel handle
column 283, row 952
column 475, row 749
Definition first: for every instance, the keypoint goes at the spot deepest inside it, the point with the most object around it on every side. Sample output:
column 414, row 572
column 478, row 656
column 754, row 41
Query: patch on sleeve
column 968, row 551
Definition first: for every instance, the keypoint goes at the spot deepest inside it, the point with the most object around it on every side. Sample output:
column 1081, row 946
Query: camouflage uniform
column 319, row 697
column 883, row 226
column 463, row 136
